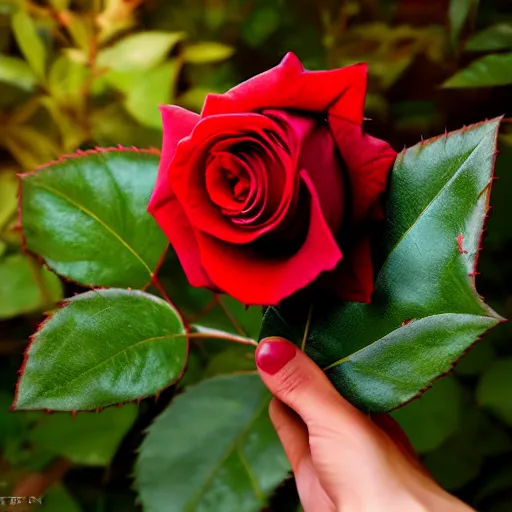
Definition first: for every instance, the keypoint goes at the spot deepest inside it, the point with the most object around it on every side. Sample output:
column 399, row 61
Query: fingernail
column 272, row 355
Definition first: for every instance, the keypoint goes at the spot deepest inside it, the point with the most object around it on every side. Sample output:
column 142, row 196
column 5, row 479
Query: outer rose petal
column 288, row 85
column 178, row 123
column 368, row 162
column 254, row 280
column 173, row 221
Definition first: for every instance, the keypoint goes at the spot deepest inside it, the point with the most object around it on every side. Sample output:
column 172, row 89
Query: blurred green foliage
column 76, row 74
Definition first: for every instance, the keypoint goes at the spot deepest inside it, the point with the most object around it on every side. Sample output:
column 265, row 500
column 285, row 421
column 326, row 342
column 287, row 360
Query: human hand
column 342, row 460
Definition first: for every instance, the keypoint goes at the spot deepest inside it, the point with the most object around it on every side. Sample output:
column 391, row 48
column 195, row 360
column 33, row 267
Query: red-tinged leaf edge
column 488, row 189
column 63, row 159
column 459, row 241
column 48, row 316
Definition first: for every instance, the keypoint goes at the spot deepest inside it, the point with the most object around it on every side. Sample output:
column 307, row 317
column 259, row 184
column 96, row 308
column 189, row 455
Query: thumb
column 298, row 382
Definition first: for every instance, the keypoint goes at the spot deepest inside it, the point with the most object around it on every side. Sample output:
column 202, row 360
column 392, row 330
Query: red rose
column 273, row 184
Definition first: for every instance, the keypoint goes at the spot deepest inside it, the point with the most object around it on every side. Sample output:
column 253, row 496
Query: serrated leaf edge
column 62, row 160
column 60, row 306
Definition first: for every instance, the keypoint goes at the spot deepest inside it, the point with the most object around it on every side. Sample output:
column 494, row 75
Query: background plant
column 70, row 78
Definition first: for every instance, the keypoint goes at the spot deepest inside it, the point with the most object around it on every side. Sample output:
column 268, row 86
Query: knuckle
column 292, row 381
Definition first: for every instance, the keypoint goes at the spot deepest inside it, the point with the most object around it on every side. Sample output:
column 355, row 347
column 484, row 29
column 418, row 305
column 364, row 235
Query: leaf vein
column 125, row 350
column 367, row 347
column 434, row 199
column 230, row 449
column 252, row 478
column 99, row 221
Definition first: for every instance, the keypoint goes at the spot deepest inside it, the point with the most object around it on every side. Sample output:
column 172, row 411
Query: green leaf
column 97, row 199
column 497, row 37
column 25, row 287
column 104, row 347
column 17, row 72
column 8, row 192
column 495, row 389
column 88, row 439
column 29, row 42
column 59, row 499
column 141, row 51
column 425, row 311
column 235, row 358
column 231, row 315
column 489, row 71
column 207, row 52
column 458, row 13
column 157, row 88
column 213, row 449
column 66, row 81
column 432, row 418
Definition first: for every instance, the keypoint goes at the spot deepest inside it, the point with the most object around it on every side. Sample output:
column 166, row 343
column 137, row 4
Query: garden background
column 80, row 74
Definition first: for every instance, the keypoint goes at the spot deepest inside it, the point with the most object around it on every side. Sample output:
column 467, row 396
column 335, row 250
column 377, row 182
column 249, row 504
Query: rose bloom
column 274, row 185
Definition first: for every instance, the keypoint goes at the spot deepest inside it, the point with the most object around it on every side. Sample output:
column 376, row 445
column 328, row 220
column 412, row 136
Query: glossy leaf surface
column 425, row 311
column 213, row 449
column 104, row 347
column 86, row 216
column 488, row 71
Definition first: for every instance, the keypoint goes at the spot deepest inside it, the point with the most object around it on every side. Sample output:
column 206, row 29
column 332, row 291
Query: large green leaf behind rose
column 213, row 449
column 86, row 217
column 425, row 311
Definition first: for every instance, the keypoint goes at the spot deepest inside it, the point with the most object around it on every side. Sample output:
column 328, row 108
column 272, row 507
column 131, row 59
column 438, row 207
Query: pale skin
column 342, row 459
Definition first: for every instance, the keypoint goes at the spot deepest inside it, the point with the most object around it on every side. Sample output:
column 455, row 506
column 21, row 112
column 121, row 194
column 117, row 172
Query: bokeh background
column 86, row 73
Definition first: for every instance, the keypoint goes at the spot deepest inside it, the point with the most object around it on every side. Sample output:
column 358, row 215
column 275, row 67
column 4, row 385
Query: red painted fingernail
column 272, row 355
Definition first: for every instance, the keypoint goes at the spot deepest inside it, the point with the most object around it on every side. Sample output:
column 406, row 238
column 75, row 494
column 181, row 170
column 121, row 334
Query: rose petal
column 228, row 182
column 172, row 219
column 321, row 159
column 178, row 124
column 288, row 85
column 187, row 175
column 368, row 162
column 255, row 280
